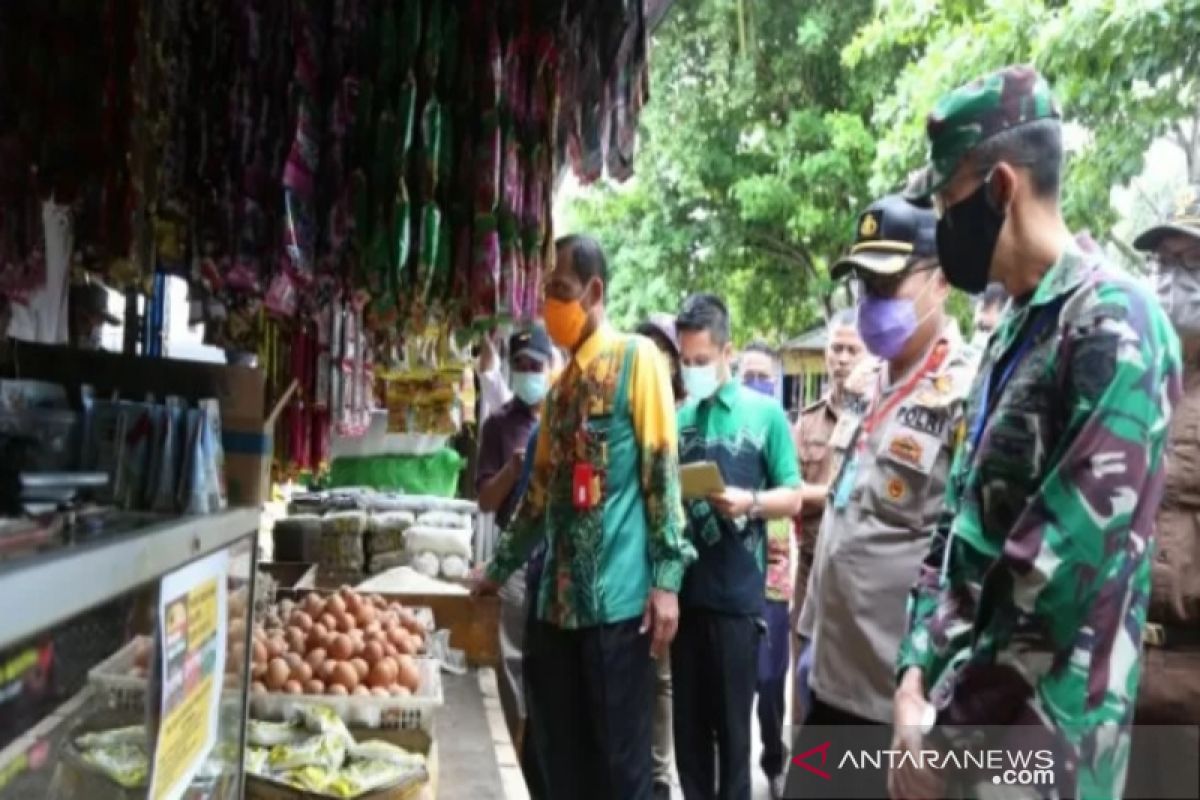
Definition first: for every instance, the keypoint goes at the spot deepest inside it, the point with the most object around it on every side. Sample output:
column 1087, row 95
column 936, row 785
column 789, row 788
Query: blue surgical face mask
column 530, row 387
column 762, row 386
column 701, row 382
column 887, row 323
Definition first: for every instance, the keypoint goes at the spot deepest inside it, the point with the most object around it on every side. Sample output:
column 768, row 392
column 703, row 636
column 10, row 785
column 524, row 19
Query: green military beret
column 975, row 112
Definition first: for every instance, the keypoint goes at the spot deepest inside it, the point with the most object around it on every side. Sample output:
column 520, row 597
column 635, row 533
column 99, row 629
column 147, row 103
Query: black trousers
column 773, row 659
column 839, row 731
column 714, row 670
column 591, row 708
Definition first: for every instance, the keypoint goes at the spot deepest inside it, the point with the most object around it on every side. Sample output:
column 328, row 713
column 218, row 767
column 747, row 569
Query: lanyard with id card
column 586, row 477
column 862, row 433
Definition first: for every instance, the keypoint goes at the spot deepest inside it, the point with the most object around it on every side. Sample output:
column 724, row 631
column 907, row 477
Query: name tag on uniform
column 843, row 432
column 912, row 448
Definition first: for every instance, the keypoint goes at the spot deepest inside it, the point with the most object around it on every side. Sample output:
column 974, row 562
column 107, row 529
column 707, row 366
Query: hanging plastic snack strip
column 432, row 141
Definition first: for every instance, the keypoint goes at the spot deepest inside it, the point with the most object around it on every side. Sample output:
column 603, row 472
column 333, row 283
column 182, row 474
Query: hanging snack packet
column 430, row 253
column 488, row 163
column 485, row 268
column 432, row 120
column 401, row 241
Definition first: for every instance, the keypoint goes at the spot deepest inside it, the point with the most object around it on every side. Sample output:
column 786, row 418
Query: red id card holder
column 581, row 486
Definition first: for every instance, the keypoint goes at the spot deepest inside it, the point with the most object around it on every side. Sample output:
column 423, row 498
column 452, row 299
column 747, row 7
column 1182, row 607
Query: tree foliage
column 774, row 122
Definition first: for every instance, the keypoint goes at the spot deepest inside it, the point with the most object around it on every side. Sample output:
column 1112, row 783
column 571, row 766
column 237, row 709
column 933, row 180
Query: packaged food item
column 325, row 721
column 191, row 472
column 130, row 735
column 136, row 429
column 310, row 778
column 442, row 541
column 379, row 750
column 269, row 734
column 427, row 564
column 488, row 150
column 326, row 751
column 126, row 764
column 485, row 269
column 455, row 567
column 444, row 519
column 104, row 442
column 256, row 761
column 365, row 776
column 214, row 456
column 430, row 258
column 164, row 476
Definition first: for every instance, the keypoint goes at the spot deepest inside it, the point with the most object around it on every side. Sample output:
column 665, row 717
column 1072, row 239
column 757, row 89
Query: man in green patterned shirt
column 605, row 495
column 1029, row 610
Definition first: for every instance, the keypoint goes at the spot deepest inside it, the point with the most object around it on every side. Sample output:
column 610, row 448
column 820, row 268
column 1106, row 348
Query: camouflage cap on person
column 1184, row 221
column 975, row 112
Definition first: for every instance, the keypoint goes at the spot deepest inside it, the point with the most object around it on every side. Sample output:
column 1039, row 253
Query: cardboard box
column 247, row 423
column 257, row 788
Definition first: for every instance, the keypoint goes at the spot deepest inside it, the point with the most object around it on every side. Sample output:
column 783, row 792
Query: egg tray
column 118, row 690
column 415, row 712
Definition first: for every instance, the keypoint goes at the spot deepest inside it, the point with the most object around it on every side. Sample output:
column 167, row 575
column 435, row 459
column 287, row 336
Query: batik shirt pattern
column 1035, row 616
column 612, row 409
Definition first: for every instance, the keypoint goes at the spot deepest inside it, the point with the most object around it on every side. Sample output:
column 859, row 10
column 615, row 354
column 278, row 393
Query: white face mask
column 701, row 382
column 1178, row 290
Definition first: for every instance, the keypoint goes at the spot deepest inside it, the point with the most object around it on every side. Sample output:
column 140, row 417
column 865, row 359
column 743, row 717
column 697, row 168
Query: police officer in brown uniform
column 843, row 351
column 1170, row 688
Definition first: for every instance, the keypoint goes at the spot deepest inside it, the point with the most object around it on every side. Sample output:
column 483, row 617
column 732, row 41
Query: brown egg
column 361, row 691
column 302, row 673
column 314, row 639
column 236, row 658
column 315, row 658
column 259, row 653
column 301, row 620
column 277, row 674
column 364, row 616
column 372, row 652
column 391, row 650
column 293, row 687
column 383, row 674
column 335, row 605
column 329, row 621
column 408, row 646
column 276, row 647
column 346, row 675
column 237, row 631
column 399, row 691
column 353, row 603
column 258, row 688
column 313, row 602
column 258, row 671
column 345, row 622
column 314, row 687
column 296, row 639
column 342, row 647
column 409, row 675
column 398, row 637
column 378, row 601
column 372, row 628
column 294, row 660
column 336, row 688
column 380, row 691
column 327, row 670
column 361, row 667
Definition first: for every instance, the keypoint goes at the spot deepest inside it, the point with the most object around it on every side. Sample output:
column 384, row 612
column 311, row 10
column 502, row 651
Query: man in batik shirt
column 605, row 495
column 1030, row 607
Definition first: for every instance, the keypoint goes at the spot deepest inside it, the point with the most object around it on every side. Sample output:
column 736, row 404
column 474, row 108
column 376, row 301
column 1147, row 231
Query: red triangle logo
column 801, row 760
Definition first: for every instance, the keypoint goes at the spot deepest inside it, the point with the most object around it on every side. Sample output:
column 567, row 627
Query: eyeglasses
column 886, row 286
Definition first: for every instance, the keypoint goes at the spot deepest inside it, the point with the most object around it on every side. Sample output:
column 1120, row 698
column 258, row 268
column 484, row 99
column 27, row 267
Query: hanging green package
column 409, row 34
column 432, row 140
column 406, row 114
column 430, row 257
column 431, row 46
column 389, row 66
column 401, row 239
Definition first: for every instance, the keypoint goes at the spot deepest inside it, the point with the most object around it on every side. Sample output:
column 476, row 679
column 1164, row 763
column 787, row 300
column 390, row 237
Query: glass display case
column 123, row 668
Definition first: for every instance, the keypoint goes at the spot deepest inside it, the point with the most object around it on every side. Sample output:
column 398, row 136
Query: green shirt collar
column 728, row 393
column 1066, row 274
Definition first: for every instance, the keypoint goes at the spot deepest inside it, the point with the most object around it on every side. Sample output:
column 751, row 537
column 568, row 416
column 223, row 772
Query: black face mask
column 966, row 239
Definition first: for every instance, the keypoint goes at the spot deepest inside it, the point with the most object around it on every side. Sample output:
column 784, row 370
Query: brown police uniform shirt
column 812, row 433
column 1169, row 692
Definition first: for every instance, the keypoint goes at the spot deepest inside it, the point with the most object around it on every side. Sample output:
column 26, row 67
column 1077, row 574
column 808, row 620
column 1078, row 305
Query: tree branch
column 792, row 251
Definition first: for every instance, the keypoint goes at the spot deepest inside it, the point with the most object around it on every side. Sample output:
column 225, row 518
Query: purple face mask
column 886, row 324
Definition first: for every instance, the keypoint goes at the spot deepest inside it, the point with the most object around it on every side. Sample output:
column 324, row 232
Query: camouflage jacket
column 1034, row 616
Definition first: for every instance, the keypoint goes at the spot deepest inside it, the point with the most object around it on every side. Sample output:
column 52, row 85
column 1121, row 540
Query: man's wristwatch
column 755, row 506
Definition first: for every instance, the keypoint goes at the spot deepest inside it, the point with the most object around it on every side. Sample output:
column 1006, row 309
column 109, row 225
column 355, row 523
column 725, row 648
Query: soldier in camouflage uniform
column 1030, row 606
column 1170, row 689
